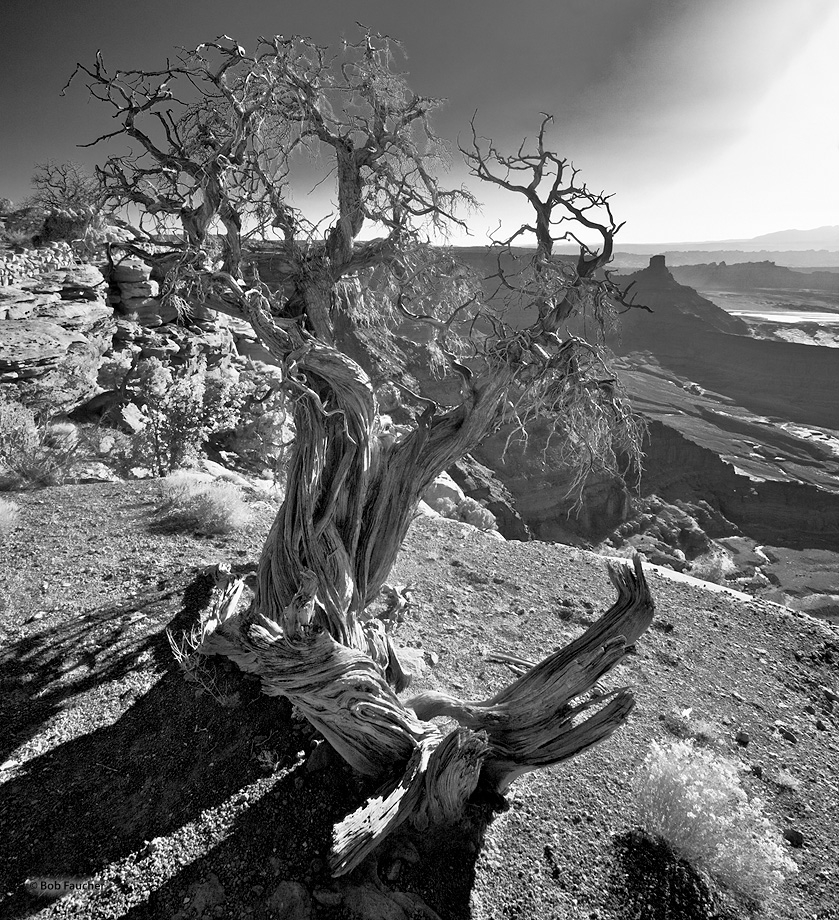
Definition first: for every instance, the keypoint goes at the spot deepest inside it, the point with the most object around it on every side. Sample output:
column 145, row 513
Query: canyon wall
column 778, row 513
column 686, row 334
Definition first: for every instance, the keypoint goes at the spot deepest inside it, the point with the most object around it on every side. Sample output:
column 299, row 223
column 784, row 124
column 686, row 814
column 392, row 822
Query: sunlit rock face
column 54, row 328
column 797, row 512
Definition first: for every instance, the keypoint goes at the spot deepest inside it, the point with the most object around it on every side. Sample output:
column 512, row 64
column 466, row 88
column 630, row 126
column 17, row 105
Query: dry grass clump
column 190, row 501
column 34, row 454
column 692, row 798
column 9, row 512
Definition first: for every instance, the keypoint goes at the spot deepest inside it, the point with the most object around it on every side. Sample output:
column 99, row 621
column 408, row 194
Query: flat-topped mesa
column 657, row 275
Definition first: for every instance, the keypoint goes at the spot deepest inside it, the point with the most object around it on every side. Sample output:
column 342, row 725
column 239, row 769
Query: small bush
column 172, row 405
column 208, row 507
column 65, row 224
column 474, row 513
column 467, row 510
column 713, row 567
column 32, row 453
column 446, row 507
column 692, row 798
column 182, row 408
column 15, row 237
column 9, row 512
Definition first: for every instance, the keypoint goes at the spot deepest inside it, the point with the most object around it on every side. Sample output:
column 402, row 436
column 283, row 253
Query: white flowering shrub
column 693, row 799
column 184, row 407
column 446, row 507
column 468, row 510
column 116, row 368
column 173, row 410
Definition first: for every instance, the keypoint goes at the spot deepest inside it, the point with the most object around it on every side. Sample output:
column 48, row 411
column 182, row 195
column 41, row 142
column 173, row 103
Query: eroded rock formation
column 54, row 329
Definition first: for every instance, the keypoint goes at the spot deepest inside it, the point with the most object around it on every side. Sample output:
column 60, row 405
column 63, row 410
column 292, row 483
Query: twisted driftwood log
column 539, row 720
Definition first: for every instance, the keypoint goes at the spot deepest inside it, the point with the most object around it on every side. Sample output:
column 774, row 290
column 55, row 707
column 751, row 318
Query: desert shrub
column 34, row 453
column 713, row 567
column 683, row 724
column 22, row 224
column 116, row 368
column 692, row 798
column 446, row 507
column 63, row 225
column 188, row 500
column 61, row 436
column 15, row 237
column 171, row 431
column 9, row 512
column 474, row 513
column 467, row 510
column 183, row 408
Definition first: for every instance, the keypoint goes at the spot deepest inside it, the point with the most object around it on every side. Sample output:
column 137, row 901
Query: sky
column 707, row 119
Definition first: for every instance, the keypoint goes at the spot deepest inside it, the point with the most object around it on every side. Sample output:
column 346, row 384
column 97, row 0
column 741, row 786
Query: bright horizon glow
column 783, row 172
column 778, row 171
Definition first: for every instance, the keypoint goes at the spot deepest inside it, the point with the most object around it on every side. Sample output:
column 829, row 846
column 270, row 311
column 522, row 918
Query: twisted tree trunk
column 351, row 493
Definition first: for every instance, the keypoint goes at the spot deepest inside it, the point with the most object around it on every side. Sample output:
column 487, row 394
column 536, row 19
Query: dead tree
column 64, row 185
column 353, row 485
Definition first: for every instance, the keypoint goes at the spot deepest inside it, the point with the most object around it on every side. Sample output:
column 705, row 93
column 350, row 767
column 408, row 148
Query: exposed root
column 534, row 722
column 542, row 718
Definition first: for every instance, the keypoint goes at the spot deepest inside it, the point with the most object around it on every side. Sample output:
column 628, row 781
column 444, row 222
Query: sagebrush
column 184, row 408
column 33, row 452
column 469, row 511
column 189, row 501
column 693, row 799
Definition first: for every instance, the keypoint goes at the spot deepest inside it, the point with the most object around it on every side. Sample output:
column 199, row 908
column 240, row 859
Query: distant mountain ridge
column 826, row 238
column 791, row 258
column 817, row 238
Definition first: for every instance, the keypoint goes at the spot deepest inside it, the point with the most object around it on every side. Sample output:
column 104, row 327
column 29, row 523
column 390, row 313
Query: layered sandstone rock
column 54, row 329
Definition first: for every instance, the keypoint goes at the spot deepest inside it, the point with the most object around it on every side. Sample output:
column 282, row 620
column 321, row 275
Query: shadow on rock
column 43, row 672
column 651, row 881
column 175, row 752
column 273, row 863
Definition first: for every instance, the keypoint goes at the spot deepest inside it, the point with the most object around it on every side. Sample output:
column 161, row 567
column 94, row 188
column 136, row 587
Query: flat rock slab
column 83, row 276
column 28, row 346
column 12, row 293
column 76, row 315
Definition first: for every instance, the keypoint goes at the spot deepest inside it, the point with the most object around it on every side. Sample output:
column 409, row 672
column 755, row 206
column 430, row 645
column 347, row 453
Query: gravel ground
column 158, row 800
